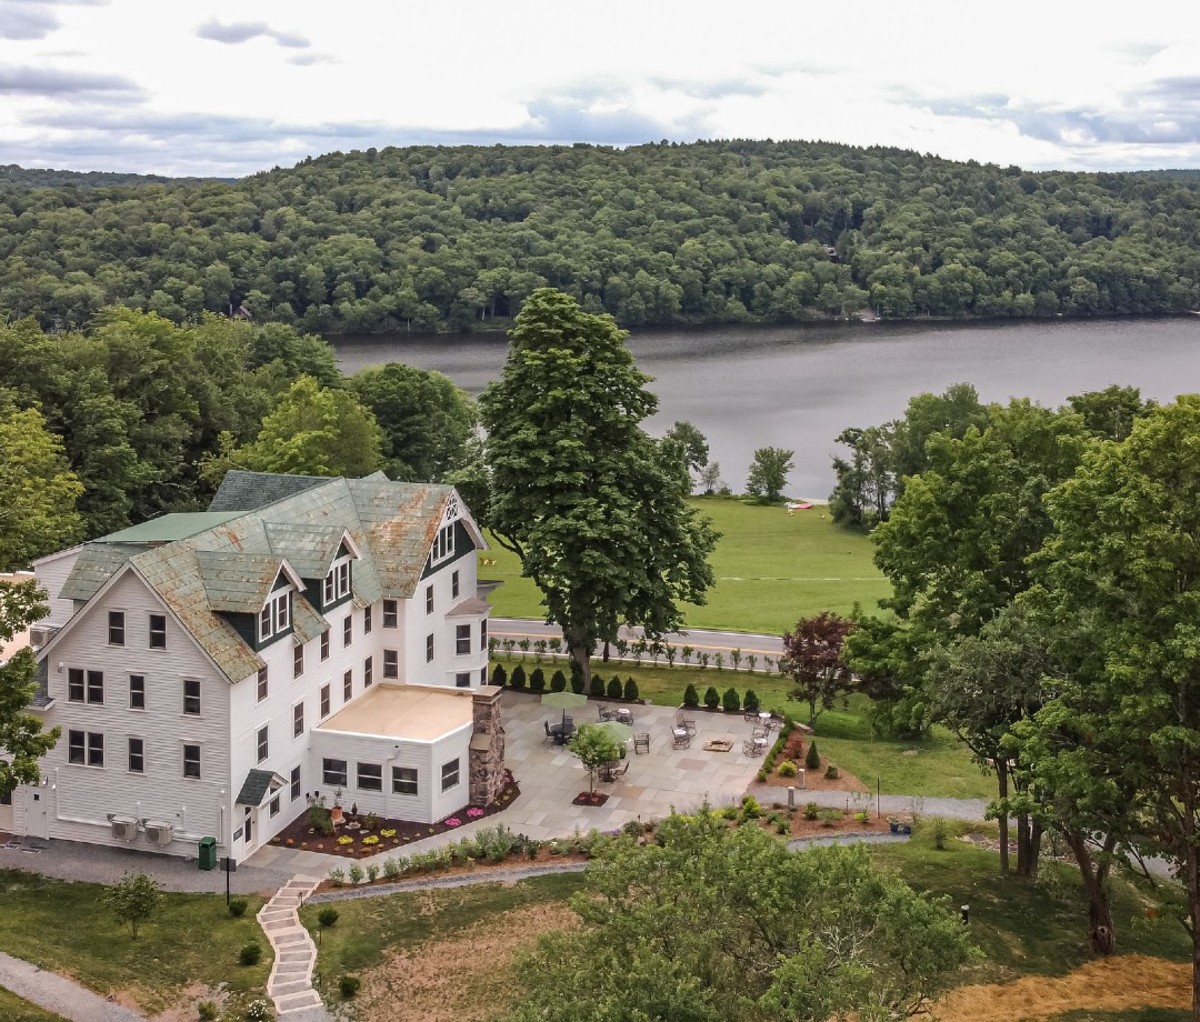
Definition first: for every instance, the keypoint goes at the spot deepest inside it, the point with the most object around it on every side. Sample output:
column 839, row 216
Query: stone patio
column 550, row 777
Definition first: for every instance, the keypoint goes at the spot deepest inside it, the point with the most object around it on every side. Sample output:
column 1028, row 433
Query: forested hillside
column 433, row 238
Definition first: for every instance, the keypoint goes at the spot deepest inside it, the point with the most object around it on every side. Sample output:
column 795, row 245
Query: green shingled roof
column 95, row 565
column 168, row 528
column 256, row 785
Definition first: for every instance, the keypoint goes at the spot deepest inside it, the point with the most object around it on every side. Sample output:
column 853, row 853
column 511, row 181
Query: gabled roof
column 248, row 491
column 232, row 566
column 257, row 785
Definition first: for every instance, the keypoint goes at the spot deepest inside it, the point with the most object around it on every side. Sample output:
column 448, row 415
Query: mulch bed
column 300, row 834
column 589, row 798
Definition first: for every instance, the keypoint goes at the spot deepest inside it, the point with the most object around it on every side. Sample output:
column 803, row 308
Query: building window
column 483, row 634
column 325, row 644
column 333, row 772
column 370, row 777
column 366, row 620
column 368, row 672
column 483, row 676
column 95, row 687
column 85, row 748
column 325, row 702
column 462, row 639
column 116, row 628
column 263, row 684
column 275, row 806
column 297, row 661
column 191, row 761
column 428, row 649
column 454, row 585
column 404, row 780
column 275, row 617
column 463, row 679
column 348, row 630
column 391, row 616
column 75, row 686
column 391, row 663
column 137, row 756
column 158, row 631
column 137, row 692
column 449, row 774
column 295, row 783
column 429, row 599
column 347, row 686
column 191, row 697
column 85, row 686
column 264, row 745
column 297, row 720
column 443, row 546
column 337, row 583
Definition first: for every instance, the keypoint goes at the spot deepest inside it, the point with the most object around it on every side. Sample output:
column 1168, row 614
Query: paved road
column 697, row 638
column 60, row 995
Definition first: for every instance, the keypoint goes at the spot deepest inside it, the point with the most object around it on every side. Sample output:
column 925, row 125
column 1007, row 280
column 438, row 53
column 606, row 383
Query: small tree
column 593, row 746
column 133, row 900
column 731, row 701
column 751, row 663
column 812, row 759
column 813, row 657
column 558, row 681
column 691, row 698
column 735, row 658
column 712, row 698
column 768, row 473
column 686, row 652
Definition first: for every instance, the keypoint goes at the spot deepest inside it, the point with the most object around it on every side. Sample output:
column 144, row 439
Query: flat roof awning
column 421, row 713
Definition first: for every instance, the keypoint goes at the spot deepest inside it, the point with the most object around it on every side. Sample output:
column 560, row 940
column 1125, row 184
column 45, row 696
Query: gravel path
column 59, row 995
column 952, row 808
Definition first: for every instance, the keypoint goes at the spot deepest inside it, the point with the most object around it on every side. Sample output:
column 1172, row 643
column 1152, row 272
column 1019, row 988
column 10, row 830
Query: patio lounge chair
column 682, row 739
column 687, row 724
column 607, row 713
column 549, row 734
column 753, row 747
column 641, row 742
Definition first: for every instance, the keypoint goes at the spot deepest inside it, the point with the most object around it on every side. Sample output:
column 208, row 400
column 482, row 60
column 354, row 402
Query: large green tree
column 22, row 740
column 1122, row 577
column 38, row 491
column 712, row 923
column 596, row 509
column 768, row 473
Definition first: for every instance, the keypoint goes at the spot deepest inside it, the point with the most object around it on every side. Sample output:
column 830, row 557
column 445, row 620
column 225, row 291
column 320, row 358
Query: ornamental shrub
column 499, row 676
column 327, row 916
column 576, row 677
column 813, row 758
column 631, row 690
column 831, row 772
column 517, row 680
column 691, row 698
column 207, row 1011
column 712, row 698
column 615, row 688
column 250, row 954
column 597, row 688
column 788, row 769
column 731, row 701
column 558, row 681
column 349, row 985
column 537, row 681
column 356, row 874
column 750, row 703
column 237, row 907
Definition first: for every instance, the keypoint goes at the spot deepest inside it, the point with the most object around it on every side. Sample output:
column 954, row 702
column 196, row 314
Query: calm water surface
column 799, row 387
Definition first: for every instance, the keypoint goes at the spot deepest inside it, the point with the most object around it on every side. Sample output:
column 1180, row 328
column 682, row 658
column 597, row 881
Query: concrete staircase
column 290, row 985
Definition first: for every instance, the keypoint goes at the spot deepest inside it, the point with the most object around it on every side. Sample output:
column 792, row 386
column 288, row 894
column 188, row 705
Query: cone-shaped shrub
column 558, row 681
column 712, row 698
column 691, row 698
column 518, row 678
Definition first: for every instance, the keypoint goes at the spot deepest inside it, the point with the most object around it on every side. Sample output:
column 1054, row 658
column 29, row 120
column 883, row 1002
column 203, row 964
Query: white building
column 210, row 671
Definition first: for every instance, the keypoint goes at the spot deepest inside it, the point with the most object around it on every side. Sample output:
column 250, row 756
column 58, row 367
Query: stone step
column 282, row 923
column 292, row 968
column 290, row 939
column 282, row 988
column 292, row 1002
column 304, row 955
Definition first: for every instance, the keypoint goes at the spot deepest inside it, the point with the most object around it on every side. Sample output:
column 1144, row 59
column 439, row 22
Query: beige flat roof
column 418, row 712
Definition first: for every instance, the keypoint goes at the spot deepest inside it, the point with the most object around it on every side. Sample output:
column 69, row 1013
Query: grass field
column 771, row 569
column 63, row 927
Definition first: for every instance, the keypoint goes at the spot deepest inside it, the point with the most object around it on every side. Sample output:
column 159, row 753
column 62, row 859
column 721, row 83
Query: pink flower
column 454, row 821
column 474, row 811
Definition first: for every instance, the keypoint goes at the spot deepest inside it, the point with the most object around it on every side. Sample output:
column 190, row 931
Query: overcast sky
column 212, row 87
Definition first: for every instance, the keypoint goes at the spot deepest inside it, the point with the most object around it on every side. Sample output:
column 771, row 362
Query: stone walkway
column 290, row 985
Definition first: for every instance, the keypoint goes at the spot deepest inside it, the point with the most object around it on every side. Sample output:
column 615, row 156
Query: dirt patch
column 468, row 978
column 1123, row 983
column 494, row 872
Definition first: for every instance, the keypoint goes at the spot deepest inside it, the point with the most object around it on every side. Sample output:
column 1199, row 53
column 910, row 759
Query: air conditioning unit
column 39, row 636
column 160, row 833
column 124, row 827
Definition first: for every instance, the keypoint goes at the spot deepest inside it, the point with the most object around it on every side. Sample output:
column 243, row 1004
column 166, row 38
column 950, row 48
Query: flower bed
column 388, row 834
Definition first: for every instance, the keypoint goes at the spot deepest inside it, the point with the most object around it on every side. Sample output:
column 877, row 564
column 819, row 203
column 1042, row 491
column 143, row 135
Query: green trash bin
column 208, row 853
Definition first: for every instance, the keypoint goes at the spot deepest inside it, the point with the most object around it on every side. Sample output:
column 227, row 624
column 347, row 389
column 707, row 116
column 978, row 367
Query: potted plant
column 894, row 824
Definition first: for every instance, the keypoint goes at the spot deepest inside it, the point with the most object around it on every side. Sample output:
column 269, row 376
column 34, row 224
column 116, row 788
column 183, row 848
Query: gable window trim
column 336, row 585
column 275, row 618
column 158, row 631
column 443, row 545
column 116, row 628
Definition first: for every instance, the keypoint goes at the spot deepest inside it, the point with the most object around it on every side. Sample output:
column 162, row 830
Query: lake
column 798, row 387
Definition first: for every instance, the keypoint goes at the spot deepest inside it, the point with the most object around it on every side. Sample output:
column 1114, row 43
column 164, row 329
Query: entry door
column 248, row 827
column 37, row 821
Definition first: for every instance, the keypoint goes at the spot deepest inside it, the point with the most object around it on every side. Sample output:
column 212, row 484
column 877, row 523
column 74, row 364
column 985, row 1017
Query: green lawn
column 63, row 927
column 771, row 568
column 14, row 1009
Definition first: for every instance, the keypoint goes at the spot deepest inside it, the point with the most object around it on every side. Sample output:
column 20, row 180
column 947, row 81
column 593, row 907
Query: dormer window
column 443, row 545
column 276, row 616
column 337, row 583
